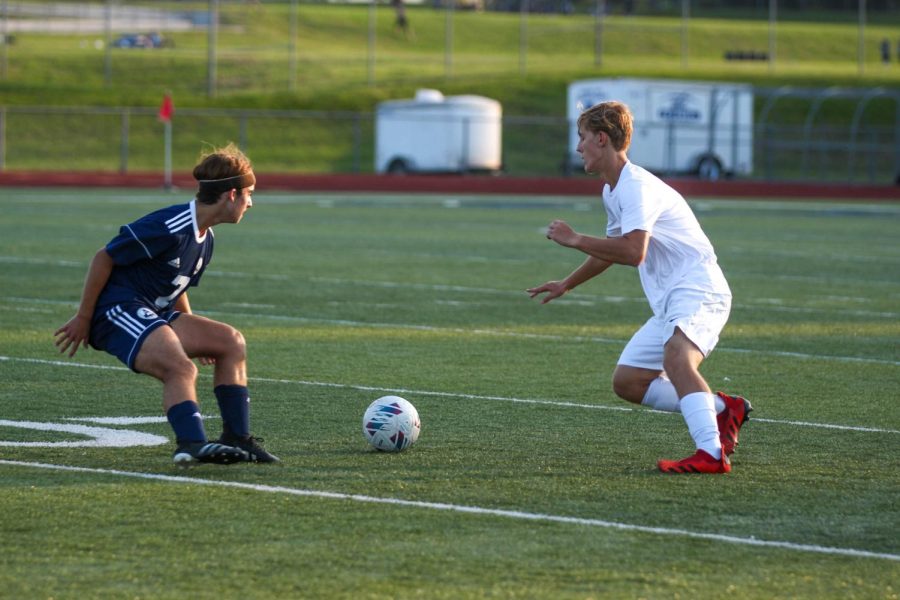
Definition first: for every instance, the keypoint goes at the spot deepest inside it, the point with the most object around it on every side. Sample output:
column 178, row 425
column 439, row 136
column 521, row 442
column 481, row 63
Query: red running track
column 458, row 184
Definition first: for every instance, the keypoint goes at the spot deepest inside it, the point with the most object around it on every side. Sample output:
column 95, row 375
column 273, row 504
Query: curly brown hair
column 220, row 163
column 612, row 118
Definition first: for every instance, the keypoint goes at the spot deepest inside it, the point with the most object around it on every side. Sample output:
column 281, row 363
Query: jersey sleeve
column 137, row 241
column 613, row 226
column 640, row 208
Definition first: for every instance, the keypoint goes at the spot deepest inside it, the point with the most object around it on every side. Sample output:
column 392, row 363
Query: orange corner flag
column 167, row 109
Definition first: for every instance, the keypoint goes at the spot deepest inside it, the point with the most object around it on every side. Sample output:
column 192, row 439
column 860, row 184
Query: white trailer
column 436, row 134
column 679, row 126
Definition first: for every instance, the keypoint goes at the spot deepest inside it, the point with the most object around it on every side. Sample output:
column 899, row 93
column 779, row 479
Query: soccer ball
column 391, row 424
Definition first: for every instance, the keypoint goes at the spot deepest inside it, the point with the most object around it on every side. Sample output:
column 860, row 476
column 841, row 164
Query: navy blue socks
column 186, row 421
column 234, row 404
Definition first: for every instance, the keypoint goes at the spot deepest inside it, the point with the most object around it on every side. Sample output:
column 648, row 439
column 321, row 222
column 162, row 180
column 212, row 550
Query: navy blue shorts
column 121, row 329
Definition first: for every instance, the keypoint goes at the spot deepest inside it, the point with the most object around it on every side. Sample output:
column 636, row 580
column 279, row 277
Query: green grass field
column 530, row 479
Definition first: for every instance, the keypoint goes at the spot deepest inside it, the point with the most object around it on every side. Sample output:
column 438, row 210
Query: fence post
column 123, row 148
column 211, row 41
column 448, row 38
column 872, row 156
column 523, row 37
column 242, row 132
column 370, row 48
column 735, row 130
column 896, row 173
column 3, row 139
column 292, row 61
column 4, row 8
column 598, row 33
column 713, row 121
column 357, row 142
column 861, row 50
column 773, row 17
column 107, row 51
column 685, row 22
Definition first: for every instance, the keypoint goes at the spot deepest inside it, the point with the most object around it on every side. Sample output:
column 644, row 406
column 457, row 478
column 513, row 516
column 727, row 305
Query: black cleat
column 207, row 452
column 252, row 447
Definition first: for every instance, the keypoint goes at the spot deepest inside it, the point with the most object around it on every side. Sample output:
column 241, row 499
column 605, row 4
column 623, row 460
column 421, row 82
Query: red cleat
column 700, row 462
column 736, row 413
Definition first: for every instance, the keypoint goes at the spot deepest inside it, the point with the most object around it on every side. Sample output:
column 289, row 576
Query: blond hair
column 612, row 118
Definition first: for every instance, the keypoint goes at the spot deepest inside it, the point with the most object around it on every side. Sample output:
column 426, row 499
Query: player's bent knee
column 627, row 388
column 173, row 369
column 180, row 369
column 237, row 345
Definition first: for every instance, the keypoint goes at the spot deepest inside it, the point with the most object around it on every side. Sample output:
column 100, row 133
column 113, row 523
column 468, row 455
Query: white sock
column 698, row 410
column 661, row 395
column 720, row 404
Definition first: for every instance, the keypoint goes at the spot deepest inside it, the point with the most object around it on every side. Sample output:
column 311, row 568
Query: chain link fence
column 287, row 141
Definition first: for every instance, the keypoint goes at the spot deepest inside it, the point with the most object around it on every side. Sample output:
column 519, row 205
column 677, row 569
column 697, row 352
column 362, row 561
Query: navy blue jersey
column 157, row 258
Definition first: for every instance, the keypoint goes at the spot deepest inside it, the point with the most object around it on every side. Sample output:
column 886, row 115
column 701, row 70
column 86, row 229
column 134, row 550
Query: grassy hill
column 336, row 65
column 524, row 64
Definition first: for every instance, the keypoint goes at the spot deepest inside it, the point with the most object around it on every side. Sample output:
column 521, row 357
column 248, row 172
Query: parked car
column 142, row 40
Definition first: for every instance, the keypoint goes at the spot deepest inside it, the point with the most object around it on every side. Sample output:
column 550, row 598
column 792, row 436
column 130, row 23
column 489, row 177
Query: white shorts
column 700, row 315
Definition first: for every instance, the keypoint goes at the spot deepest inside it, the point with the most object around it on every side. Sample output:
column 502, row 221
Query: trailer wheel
column 709, row 168
column 398, row 166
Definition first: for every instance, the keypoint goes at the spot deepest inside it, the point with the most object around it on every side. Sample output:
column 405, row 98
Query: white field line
column 537, row 336
column 491, row 332
column 414, row 392
column 100, row 437
column 773, row 305
column 770, row 304
column 473, row 510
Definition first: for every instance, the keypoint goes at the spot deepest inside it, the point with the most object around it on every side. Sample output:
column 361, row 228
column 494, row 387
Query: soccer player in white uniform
column 134, row 306
column 651, row 227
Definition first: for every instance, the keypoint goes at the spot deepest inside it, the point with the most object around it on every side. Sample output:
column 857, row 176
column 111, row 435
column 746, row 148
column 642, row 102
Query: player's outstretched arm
column 589, row 269
column 77, row 330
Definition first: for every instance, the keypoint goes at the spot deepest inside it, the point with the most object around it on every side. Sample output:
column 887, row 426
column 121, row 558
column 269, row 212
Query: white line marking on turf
column 367, row 388
column 500, row 333
column 100, row 437
column 553, row 403
column 535, row 336
column 120, row 420
column 766, row 304
column 757, row 304
column 130, row 420
column 514, row 334
column 477, row 510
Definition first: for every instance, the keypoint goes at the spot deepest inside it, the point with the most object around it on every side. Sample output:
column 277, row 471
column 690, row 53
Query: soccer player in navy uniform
column 135, row 306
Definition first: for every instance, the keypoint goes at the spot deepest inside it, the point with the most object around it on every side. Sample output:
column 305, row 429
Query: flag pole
column 166, row 110
column 168, row 161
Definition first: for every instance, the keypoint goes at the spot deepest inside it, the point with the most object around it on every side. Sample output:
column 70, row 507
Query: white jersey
column 679, row 254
